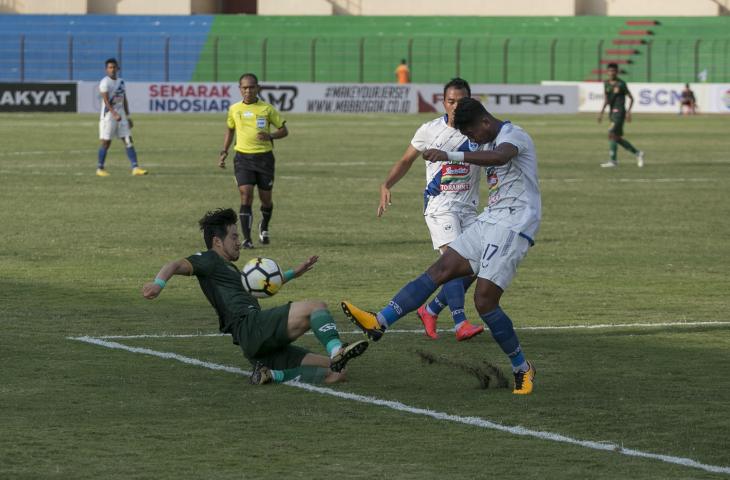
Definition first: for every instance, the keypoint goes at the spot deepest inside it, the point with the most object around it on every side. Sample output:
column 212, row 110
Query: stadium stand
column 74, row 47
column 363, row 49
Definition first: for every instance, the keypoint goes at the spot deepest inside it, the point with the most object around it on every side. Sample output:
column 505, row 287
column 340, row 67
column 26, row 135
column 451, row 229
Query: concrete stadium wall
column 683, row 8
column 117, row 7
column 44, row 6
column 145, row 7
column 493, row 8
column 295, row 7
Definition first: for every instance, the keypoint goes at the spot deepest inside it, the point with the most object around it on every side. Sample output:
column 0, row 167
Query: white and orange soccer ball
column 262, row 277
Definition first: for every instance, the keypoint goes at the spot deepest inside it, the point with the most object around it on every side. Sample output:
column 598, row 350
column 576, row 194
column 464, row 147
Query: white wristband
column 457, row 157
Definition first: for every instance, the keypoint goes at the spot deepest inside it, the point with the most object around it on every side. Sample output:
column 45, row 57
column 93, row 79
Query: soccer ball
column 261, row 277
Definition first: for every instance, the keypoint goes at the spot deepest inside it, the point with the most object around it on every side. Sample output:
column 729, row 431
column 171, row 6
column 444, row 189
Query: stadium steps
column 625, row 56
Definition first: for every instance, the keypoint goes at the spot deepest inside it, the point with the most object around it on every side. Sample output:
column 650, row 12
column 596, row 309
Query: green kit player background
column 265, row 336
column 615, row 92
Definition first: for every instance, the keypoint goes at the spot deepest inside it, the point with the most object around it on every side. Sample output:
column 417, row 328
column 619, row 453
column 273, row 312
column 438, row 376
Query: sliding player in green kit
column 265, row 336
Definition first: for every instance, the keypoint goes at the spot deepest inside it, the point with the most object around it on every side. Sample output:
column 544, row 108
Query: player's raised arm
column 152, row 289
column 397, row 172
column 502, row 154
column 303, row 268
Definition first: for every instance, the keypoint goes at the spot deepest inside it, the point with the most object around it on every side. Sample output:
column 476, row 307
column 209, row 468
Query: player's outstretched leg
column 450, row 265
column 324, row 329
column 405, row 301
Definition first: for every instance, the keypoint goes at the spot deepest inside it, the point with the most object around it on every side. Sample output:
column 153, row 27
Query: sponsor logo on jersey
column 453, row 170
column 493, row 183
column 455, row 178
column 455, row 187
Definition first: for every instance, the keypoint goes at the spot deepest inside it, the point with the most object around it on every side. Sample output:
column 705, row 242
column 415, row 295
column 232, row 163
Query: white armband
column 455, row 157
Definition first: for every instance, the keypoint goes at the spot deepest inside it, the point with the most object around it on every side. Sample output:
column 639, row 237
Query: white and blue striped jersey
column 450, row 187
column 116, row 91
column 514, row 192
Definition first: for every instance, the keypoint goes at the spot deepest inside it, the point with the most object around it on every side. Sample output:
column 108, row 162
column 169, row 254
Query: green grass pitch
column 620, row 246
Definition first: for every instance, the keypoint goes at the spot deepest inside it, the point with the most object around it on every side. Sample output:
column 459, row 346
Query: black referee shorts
column 254, row 169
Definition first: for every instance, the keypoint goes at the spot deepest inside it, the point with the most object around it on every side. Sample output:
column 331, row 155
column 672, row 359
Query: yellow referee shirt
column 249, row 120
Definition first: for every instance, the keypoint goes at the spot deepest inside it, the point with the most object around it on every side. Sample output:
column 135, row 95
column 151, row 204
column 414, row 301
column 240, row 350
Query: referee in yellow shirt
column 253, row 165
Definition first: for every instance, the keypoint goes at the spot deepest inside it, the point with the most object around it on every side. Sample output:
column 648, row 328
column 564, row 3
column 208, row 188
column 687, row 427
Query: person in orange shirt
column 402, row 73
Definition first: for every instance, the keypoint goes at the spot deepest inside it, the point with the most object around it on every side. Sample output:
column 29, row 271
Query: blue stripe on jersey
column 468, row 146
column 502, row 125
column 433, row 189
column 527, row 237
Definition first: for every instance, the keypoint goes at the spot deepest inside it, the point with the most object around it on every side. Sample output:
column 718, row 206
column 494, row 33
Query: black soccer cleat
column 264, row 235
column 247, row 245
column 347, row 352
column 261, row 375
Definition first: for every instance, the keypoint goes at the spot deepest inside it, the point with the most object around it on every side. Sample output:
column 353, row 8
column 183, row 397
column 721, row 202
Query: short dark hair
column 612, row 65
column 251, row 75
column 215, row 223
column 468, row 111
column 111, row 60
column 403, row 61
column 458, row 83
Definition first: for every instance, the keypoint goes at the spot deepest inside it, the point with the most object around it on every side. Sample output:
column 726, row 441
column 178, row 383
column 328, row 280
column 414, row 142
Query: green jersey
column 616, row 95
column 220, row 281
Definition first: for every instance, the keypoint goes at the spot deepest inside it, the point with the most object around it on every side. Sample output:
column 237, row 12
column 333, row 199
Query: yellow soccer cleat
column 138, row 172
column 524, row 380
column 100, row 172
column 364, row 320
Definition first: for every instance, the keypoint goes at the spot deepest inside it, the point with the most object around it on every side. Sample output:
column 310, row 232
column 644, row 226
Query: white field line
column 440, row 330
column 401, row 407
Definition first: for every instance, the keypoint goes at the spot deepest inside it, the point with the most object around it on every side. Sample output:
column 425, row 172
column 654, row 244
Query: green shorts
column 617, row 123
column 263, row 338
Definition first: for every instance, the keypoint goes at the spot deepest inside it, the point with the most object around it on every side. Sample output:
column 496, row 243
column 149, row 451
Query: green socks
column 612, row 150
column 306, row 373
column 628, row 146
column 324, row 328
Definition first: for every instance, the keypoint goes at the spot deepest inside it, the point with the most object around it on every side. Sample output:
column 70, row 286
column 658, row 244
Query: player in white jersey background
column 451, row 198
column 114, row 120
column 493, row 246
